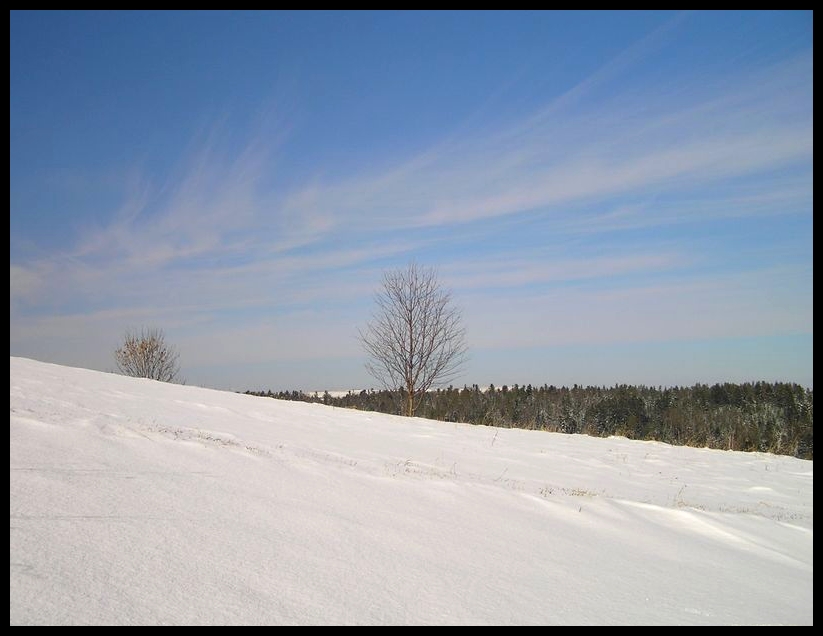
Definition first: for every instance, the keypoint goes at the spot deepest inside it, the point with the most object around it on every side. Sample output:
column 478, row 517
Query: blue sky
column 611, row 197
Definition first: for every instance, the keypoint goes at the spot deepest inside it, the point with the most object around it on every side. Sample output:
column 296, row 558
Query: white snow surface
column 134, row 502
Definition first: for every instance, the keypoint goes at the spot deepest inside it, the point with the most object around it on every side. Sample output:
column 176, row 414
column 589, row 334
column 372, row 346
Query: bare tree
column 415, row 338
column 147, row 355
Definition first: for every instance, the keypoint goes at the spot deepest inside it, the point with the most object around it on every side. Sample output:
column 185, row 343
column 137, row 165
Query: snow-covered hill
column 138, row 502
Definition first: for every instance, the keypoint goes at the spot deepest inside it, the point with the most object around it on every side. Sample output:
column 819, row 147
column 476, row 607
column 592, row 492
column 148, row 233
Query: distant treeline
column 766, row 417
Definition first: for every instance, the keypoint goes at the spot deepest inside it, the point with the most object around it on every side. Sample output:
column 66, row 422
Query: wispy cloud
column 571, row 157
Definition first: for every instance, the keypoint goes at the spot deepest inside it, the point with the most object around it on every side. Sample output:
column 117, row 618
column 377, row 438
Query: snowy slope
column 138, row 502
